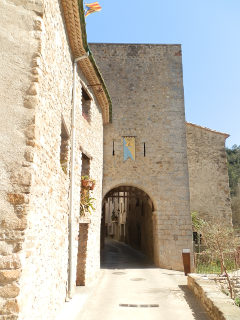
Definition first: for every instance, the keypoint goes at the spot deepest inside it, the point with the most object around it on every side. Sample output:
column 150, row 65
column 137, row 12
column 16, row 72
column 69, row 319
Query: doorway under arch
column 127, row 217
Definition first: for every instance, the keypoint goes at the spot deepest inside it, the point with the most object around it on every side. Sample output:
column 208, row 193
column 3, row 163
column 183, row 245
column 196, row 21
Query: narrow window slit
column 113, row 153
column 86, row 105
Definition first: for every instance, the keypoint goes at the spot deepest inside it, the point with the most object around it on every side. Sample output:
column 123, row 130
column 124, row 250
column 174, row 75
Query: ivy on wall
column 233, row 157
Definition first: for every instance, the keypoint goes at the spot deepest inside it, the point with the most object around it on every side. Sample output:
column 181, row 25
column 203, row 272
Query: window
column 85, row 165
column 197, row 238
column 64, row 148
column 137, row 202
column 85, row 201
column 86, row 104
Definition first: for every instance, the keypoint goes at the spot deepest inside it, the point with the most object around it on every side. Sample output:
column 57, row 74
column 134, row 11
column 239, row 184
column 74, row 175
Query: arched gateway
column 127, row 216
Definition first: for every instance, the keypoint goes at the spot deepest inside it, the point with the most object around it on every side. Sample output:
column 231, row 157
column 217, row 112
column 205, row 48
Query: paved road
column 131, row 288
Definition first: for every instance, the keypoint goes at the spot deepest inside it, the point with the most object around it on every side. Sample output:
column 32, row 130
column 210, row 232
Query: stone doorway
column 127, row 217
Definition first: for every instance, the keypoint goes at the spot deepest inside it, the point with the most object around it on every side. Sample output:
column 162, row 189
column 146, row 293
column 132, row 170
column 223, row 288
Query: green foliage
column 196, row 221
column 233, row 157
column 88, row 178
column 220, row 240
column 114, row 216
column 87, row 204
column 205, row 263
column 237, row 301
column 85, row 178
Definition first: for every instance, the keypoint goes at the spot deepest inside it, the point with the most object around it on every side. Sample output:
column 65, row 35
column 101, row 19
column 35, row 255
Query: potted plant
column 86, row 204
column 114, row 217
column 64, row 165
column 88, row 183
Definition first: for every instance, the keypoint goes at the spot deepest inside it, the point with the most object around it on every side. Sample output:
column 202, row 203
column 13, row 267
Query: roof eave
column 76, row 29
column 226, row 135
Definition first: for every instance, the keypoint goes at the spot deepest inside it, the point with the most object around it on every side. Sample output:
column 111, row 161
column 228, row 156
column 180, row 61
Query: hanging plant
column 86, row 204
column 64, row 165
column 114, row 216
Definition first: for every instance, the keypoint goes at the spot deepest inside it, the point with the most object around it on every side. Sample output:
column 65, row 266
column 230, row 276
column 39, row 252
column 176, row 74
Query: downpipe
column 71, row 276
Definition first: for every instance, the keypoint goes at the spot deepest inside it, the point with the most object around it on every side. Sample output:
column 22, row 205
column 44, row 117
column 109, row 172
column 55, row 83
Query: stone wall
column 139, row 228
column 134, row 223
column 218, row 305
column 119, row 207
column 18, row 42
column 145, row 84
column 41, row 100
column 235, row 205
column 208, row 175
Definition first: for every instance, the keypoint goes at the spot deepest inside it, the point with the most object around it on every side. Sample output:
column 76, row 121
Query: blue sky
column 209, row 31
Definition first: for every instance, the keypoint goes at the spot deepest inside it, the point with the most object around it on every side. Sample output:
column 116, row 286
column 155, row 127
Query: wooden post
column 186, row 261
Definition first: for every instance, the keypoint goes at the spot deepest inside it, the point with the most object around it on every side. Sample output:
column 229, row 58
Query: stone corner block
column 15, row 198
column 9, row 291
column 9, row 262
column 9, row 275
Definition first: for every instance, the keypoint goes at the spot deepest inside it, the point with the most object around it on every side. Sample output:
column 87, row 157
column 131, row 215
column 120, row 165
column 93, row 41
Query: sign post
column 186, row 261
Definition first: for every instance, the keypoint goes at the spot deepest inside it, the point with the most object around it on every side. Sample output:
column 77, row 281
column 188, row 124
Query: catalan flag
column 128, row 148
column 92, row 7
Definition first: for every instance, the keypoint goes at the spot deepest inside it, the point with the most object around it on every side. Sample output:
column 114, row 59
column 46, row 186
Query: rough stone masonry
column 146, row 87
column 182, row 167
column 36, row 82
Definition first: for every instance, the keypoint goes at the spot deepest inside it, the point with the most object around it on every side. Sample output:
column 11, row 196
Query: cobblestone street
column 131, row 288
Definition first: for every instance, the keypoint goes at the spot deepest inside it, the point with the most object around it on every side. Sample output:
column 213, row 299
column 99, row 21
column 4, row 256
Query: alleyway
column 131, row 288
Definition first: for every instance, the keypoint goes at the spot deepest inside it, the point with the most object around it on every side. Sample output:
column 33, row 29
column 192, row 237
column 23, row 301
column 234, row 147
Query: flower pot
column 88, row 184
column 84, row 220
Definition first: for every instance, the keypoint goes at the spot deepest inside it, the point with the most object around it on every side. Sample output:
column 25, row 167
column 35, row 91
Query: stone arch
column 128, row 217
column 130, row 184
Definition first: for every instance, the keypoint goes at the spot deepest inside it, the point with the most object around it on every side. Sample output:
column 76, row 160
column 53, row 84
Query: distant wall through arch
column 128, row 218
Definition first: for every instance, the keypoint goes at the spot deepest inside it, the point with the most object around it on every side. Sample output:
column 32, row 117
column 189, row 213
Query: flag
column 129, row 148
column 92, row 7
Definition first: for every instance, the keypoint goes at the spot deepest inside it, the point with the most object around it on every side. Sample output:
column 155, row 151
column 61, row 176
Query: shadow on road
column 118, row 255
column 194, row 304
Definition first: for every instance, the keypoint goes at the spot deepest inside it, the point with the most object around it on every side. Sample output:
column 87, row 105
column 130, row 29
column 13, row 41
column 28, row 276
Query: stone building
column 54, row 106
column 208, row 174
column 176, row 168
column 146, row 88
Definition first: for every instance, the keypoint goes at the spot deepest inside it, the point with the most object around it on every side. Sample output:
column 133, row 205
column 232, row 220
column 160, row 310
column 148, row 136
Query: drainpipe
column 71, row 213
